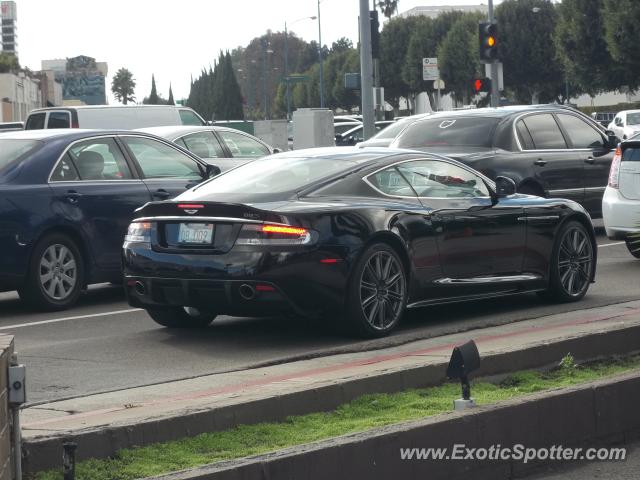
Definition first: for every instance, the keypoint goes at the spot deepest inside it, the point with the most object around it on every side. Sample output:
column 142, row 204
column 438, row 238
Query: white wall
column 23, row 93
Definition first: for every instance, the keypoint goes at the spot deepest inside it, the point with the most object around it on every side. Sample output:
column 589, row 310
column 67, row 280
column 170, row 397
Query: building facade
column 83, row 79
column 19, row 94
column 9, row 14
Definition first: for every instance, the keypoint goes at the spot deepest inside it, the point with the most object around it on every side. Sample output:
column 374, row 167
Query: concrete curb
column 596, row 414
column 45, row 452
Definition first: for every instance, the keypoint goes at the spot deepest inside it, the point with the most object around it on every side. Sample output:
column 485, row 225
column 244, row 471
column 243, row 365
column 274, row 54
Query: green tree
column 123, row 86
column 387, row 7
column 527, row 50
column 153, row 98
column 458, row 58
column 170, row 101
column 229, row 104
column 341, row 45
column 622, row 30
column 8, row 63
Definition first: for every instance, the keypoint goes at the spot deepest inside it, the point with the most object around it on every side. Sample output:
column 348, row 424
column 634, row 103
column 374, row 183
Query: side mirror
column 505, row 187
column 212, row 170
column 612, row 139
column 276, row 150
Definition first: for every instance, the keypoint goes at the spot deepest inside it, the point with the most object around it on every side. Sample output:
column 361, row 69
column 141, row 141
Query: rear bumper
column 621, row 216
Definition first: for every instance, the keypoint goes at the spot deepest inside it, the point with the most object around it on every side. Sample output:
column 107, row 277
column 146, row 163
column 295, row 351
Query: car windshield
column 455, row 131
column 392, row 130
column 13, row 151
column 633, row 118
column 273, row 175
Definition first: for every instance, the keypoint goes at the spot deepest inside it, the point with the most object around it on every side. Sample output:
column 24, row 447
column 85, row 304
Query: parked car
column 621, row 201
column 340, row 127
column 353, row 234
column 548, row 150
column 224, row 147
column 356, row 134
column 603, row 118
column 385, row 136
column 626, row 124
column 66, row 199
column 121, row 117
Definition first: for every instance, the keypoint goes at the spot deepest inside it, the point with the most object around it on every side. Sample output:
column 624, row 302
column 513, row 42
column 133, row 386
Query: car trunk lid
column 629, row 179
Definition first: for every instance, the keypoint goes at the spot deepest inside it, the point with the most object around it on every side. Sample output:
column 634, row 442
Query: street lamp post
column 266, row 49
column 320, row 58
column 286, row 62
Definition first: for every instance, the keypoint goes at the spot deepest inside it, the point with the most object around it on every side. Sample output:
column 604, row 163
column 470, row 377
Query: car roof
column 55, row 133
column 89, row 107
column 499, row 112
column 175, row 131
column 629, row 111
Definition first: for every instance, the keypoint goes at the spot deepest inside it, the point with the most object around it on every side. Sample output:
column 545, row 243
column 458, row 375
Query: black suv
column 548, row 150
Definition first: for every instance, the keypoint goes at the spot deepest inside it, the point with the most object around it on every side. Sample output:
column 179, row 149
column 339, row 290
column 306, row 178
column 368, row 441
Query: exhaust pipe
column 247, row 291
column 140, row 288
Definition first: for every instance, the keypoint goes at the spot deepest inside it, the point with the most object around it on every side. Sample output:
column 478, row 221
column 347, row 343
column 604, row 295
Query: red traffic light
column 482, row 85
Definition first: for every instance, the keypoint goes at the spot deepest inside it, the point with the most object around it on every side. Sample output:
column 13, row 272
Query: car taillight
column 614, row 173
column 139, row 232
column 272, row 234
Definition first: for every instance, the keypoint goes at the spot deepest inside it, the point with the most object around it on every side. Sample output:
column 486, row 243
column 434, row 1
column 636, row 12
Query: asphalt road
column 102, row 344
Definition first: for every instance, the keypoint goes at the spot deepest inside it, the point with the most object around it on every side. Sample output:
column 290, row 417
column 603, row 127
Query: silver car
column 224, row 147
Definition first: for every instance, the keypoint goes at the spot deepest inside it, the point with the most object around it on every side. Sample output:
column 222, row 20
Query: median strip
column 364, row 413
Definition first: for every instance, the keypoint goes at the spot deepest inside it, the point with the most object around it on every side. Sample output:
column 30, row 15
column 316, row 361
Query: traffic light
column 375, row 33
column 488, row 36
column 481, row 85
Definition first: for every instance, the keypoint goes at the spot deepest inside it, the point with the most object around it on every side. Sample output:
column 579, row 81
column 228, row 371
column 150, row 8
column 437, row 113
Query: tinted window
column 580, row 133
column 545, row 132
column 35, row 121
column 158, row 160
column 65, row 171
column 187, row 117
column 203, row 144
column 99, row 159
column 526, row 142
column 12, row 151
column 391, row 182
column 631, row 155
column 242, row 145
column 458, row 131
column 275, row 175
column 633, row 118
column 59, row 120
column 434, row 179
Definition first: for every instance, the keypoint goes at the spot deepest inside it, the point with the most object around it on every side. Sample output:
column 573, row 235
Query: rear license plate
column 195, row 233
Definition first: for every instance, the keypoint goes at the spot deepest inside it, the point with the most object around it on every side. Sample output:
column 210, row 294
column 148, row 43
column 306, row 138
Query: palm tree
column 387, row 7
column 123, row 86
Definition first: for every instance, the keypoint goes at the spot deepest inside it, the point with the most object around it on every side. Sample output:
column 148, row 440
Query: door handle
column 590, row 160
column 540, row 162
column 73, row 196
column 161, row 193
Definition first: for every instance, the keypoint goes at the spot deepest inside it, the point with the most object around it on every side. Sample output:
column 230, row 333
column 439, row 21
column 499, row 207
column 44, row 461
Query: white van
column 116, row 117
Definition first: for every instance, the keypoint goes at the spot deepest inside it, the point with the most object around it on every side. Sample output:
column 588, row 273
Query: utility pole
column 320, row 58
column 366, row 71
column 495, row 88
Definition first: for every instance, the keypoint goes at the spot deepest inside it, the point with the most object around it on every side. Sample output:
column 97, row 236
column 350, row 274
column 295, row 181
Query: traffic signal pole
column 366, row 72
column 495, row 88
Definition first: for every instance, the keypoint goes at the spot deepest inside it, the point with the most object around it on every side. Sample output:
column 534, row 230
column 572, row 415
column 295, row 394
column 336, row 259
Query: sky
column 173, row 39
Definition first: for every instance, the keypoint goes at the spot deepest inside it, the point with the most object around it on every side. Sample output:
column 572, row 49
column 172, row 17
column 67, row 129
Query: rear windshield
column 438, row 132
column 631, row 155
column 633, row 118
column 392, row 130
column 12, row 152
column 274, row 175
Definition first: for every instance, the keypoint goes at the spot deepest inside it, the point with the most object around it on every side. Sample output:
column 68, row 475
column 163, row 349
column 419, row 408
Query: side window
column 65, row 171
column 545, row 132
column 580, row 133
column 35, row 121
column 159, row 160
column 187, row 117
column 204, row 145
column 243, row 146
column 391, row 182
column 59, row 120
column 99, row 159
column 435, row 179
column 524, row 136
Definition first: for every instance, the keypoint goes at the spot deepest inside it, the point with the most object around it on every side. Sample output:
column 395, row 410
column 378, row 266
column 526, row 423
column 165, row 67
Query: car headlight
column 139, row 232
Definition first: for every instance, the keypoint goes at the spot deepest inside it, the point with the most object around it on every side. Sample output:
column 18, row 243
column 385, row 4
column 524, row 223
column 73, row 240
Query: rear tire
column 571, row 264
column 181, row 317
column 633, row 245
column 377, row 292
column 55, row 277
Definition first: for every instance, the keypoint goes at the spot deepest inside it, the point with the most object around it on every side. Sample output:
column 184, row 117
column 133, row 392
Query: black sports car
column 359, row 234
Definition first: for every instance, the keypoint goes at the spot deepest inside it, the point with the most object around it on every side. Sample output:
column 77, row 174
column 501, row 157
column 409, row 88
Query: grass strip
column 364, row 413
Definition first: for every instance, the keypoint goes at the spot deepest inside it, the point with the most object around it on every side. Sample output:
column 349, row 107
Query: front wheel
column 633, row 245
column 377, row 292
column 572, row 263
column 181, row 317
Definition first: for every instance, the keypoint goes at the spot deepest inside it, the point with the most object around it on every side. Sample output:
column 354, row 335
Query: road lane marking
column 65, row 319
column 611, row 244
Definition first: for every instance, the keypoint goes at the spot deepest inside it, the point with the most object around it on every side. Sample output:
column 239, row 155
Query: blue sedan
column 66, row 199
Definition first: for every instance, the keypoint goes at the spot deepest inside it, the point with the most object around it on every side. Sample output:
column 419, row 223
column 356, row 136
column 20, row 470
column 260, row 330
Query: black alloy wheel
column 377, row 292
column 633, row 244
column 572, row 263
column 181, row 317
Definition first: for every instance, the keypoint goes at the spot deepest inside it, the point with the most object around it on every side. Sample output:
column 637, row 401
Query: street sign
column 430, row 69
column 438, row 84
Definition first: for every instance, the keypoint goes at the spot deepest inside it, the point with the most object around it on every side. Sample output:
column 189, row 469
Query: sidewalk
column 297, row 385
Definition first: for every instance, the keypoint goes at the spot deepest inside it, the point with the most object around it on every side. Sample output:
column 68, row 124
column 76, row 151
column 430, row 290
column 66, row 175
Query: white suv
column 626, row 124
column 621, row 201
